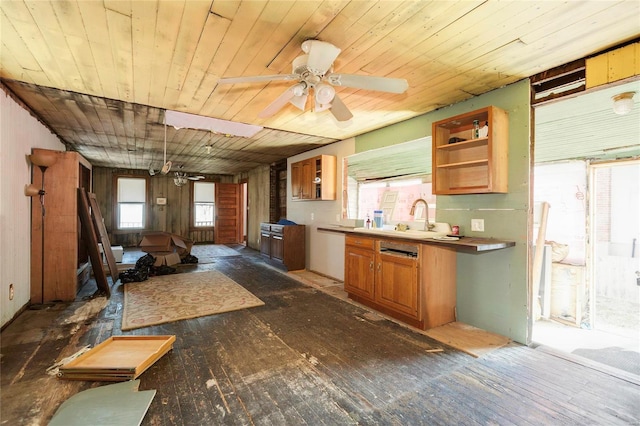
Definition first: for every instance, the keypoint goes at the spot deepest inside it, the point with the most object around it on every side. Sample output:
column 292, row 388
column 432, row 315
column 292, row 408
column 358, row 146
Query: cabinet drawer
column 265, row 227
column 277, row 229
column 363, row 242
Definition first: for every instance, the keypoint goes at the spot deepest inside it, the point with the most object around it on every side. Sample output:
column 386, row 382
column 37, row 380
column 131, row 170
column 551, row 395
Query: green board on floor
column 118, row 404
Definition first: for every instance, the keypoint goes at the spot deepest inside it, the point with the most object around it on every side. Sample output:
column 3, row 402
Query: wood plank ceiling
column 101, row 73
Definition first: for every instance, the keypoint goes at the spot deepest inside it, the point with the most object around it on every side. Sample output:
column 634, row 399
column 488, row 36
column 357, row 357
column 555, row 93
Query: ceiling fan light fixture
column 298, row 89
column 623, row 103
column 180, row 179
column 324, row 94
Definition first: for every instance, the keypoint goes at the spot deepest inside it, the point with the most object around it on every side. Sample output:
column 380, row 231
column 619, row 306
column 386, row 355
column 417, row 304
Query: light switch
column 477, row 225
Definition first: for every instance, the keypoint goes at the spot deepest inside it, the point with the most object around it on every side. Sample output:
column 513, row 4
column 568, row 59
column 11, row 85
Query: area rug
column 207, row 253
column 177, row 297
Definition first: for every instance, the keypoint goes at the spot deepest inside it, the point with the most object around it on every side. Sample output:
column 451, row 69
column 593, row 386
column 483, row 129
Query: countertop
column 466, row 244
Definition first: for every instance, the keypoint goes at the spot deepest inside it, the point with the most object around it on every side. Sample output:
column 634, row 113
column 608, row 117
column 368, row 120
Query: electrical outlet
column 477, row 225
column 313, row 216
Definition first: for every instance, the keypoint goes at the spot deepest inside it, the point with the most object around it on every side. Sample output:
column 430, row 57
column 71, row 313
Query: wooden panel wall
column 258, row 202
column 172, row 217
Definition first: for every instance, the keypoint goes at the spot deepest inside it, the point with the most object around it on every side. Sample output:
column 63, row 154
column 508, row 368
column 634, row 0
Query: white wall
column 325, row 251
column 19, row 132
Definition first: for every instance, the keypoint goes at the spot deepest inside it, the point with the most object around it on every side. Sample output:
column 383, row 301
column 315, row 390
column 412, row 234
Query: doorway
column 587, row 168
column 244, row 199
column 615, row 248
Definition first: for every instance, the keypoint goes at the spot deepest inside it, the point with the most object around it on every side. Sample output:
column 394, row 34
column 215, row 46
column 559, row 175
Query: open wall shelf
column 467, row 163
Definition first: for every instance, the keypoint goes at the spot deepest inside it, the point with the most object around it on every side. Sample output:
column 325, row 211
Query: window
column 131, row 201
column 395, row 198
column 203, row 204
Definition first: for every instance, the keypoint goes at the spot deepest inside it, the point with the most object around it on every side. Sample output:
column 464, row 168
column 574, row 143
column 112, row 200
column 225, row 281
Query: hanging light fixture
column 209, row 146
column 166, row 165
column 43, row 159
column 623, row 103
column 180, row 179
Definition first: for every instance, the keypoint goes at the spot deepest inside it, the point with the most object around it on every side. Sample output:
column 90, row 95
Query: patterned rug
column 176, row 297
column 207, row 253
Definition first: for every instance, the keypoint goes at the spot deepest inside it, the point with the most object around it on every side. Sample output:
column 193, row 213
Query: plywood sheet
column 469, row 339
column 116, row 404
column 118, row 358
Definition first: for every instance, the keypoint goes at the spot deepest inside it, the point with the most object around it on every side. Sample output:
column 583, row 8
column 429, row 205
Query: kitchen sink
column 410, row 233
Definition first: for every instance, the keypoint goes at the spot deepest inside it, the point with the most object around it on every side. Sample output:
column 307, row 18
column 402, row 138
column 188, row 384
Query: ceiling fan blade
column 340, row 110
column 195, row 177
column 321, row 55
column 368, row 82
column 277, row 104
column 300, row 102
column 258, row 78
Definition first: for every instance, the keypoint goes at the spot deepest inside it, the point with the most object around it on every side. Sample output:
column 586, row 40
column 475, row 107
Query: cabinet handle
column 371, row 265
column 276, row 237
column 379, row 266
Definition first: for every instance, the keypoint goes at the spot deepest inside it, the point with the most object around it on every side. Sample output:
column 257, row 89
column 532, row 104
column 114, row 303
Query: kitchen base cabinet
column 414, row 283
column 284, row 243
column 359, row 266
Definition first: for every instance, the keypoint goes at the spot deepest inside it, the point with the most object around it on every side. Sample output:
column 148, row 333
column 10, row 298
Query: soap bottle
column 368, row 222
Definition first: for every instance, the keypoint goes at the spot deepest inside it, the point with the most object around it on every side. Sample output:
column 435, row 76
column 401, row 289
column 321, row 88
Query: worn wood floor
column 306, row 358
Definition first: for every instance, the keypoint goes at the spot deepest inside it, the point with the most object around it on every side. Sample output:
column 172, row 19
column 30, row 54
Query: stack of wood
column 118, row 358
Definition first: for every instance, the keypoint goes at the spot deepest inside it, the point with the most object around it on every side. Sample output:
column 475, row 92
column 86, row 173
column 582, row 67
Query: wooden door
column 227, row 226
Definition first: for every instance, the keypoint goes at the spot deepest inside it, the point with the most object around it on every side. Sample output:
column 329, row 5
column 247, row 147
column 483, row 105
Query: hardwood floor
column 306, row 358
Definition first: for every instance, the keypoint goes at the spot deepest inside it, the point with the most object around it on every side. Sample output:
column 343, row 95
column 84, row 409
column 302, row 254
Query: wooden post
column 537, row 259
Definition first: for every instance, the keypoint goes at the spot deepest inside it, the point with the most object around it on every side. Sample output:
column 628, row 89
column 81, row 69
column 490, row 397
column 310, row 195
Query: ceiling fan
column 313, row 71
column 182, row 178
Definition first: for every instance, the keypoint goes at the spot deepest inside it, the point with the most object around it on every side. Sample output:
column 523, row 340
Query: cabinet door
column 277, row 247
column 396, row 283
column 359, row 271
column 296, row 180
column 307, row 174
column 265, row 243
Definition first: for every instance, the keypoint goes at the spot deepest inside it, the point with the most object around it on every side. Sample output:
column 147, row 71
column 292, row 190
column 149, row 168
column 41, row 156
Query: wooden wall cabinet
column 464, row 163
column 420, row 291
column 284, row 243
column 314, row 178
column 65, row 256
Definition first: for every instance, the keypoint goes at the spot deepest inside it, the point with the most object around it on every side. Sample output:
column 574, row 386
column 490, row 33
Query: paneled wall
column 258, row 202
column 172, row 217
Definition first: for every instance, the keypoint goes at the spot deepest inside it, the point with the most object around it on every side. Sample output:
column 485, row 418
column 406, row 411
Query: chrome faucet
column 427, row 226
